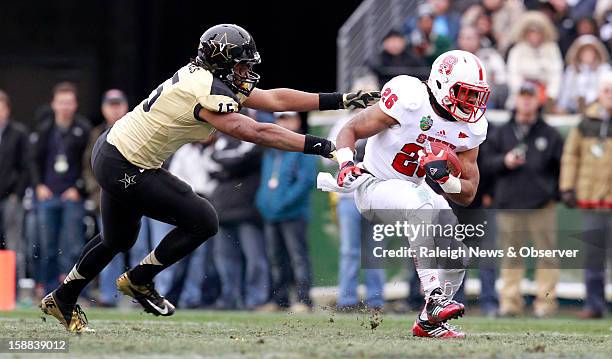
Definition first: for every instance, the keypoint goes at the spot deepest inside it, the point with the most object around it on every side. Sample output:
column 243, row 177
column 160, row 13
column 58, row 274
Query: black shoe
column 146, row 295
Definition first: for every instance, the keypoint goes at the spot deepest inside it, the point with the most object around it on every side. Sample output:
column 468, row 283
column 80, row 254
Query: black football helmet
column 222, row 48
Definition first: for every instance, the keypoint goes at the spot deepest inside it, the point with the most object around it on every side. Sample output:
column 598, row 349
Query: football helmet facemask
column 458, row 81
column 229, row 53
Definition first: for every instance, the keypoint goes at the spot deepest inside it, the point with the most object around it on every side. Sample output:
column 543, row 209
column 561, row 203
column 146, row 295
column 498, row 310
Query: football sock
column 176, row 244
column 429, row 280
column 94, row 257
column 451, row 280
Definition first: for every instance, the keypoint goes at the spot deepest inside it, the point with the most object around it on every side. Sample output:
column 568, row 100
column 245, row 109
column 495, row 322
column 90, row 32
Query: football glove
column 314, row 145
column 436, row 166
column 348, row 174
column 361, row 99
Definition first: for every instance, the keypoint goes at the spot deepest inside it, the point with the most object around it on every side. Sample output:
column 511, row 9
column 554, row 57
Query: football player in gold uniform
column 201, row 97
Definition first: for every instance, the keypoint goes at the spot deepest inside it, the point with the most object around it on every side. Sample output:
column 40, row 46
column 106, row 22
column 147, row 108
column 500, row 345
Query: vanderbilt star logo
column 127, row 180
column 222, row 47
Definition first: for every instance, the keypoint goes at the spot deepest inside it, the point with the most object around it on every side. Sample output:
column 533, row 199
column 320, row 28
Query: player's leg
column 396, row 200
column 168, row 199
column 120, row 230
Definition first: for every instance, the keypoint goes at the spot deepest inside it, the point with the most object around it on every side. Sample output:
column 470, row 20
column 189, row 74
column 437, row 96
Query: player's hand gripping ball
column 348, row 174
column 441, row 162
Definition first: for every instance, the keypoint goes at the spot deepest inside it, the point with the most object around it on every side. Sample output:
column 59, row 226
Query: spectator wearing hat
column 587, row 61
column 13, row 181
column 396, row 59
column 585, row 183
column 287, row 179
column 525, row 155
column 57, row 175
column 536, row 58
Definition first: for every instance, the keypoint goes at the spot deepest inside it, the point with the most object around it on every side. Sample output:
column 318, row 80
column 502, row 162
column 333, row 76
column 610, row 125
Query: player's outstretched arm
column 284, row 99
column 267, row 134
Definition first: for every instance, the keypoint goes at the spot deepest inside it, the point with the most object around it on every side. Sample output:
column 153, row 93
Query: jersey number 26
column 405, row 162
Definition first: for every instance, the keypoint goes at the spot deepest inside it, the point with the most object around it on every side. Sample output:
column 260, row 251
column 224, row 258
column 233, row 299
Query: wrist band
column 330, row 101
column 314, row 145
column 452, row 185
column 344, row 154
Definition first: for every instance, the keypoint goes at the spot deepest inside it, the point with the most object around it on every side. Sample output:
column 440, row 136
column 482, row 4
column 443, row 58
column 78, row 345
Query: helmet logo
column 446, row 67
column 222, row 47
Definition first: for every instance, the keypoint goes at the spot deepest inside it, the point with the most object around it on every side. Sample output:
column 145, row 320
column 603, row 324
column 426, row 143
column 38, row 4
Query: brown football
column 454, row 164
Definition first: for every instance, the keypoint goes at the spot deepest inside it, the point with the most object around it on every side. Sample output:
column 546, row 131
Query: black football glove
column 361, row 99
column 436, row 166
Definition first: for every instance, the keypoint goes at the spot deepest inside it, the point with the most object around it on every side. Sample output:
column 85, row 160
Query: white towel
column 327, row 183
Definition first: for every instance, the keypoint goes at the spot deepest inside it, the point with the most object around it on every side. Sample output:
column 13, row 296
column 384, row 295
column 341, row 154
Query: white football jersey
column 393, row 153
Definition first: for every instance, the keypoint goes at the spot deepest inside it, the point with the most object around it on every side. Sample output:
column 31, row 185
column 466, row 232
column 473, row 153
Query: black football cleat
column 146, row 295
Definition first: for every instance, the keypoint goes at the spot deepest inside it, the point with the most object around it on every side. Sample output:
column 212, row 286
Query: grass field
column 323, row 335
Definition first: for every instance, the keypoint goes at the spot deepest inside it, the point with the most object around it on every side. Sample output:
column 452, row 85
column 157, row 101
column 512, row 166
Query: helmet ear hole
column 439, row 85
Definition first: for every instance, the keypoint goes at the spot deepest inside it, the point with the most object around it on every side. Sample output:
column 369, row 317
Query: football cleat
column 424, row 329
column 440, row 308
column 72, row 317
column 146, row 295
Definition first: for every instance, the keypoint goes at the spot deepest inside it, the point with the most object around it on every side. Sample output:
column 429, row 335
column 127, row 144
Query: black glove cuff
column 318, row 146
column 330, row 101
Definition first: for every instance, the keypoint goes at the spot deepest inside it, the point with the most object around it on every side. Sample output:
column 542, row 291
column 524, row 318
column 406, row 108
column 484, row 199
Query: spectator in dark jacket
column 239, row 246
column 13, row 181
column 396, row 59
column 57, row 170
column 283, row 200
column 525, row 155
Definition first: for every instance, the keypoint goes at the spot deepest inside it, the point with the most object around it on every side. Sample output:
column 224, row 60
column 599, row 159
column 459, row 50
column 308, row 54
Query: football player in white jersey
column 449, row 108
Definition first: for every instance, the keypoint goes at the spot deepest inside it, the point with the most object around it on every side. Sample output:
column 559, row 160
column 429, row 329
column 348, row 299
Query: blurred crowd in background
column 542, row 57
